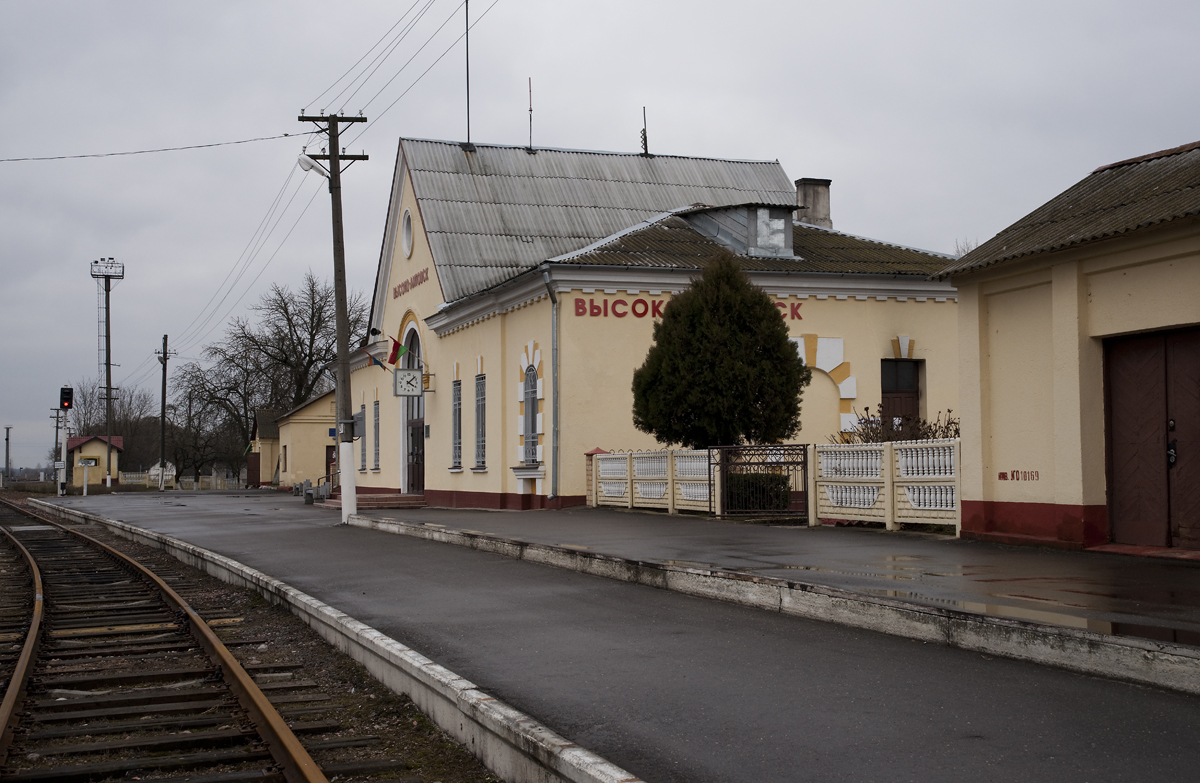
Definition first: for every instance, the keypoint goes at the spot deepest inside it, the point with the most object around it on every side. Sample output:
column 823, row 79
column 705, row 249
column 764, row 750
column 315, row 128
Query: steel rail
column 298, row 766
column 14, row 695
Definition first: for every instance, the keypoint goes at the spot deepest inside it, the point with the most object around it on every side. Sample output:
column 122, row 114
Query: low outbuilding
column 1080, row 364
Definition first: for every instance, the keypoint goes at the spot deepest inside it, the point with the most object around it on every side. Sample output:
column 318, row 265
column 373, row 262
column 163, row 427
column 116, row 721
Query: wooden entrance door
column 330, row 460
column 900, row 390
column 416, row 457
column 414, row 418
column 1153, row 411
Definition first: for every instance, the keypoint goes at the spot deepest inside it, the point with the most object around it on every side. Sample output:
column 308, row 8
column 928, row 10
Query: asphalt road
column 676, row 688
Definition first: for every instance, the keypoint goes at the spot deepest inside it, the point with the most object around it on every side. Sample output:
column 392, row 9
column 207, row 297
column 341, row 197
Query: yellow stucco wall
column 268, row 449
column 97, row 450
column 1032, row 369
column 405, row 307
column 305, row 434
column 597, row 358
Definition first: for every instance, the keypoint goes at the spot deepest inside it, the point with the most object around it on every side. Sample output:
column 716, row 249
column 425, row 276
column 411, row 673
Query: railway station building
column 1080, row 364
column 519, row 288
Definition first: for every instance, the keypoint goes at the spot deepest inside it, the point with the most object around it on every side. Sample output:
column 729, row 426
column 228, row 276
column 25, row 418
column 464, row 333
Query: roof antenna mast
column 530, row 112
column 645, row 140
column 467, row 22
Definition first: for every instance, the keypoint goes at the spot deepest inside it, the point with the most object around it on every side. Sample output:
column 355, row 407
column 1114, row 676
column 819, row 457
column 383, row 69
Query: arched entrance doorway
column 414, row 423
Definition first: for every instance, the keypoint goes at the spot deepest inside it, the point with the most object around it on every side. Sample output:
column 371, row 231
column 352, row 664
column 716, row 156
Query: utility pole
column 162, row 423
column 332, row 126
column 108, row 269
column 7, row 464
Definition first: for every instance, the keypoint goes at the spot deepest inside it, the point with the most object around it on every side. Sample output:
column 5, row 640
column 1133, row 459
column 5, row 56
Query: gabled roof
column 264, row 424
column 494, row 212
column 1115, row 199
column 671, row 241
column 302, row 406
column 118, row 441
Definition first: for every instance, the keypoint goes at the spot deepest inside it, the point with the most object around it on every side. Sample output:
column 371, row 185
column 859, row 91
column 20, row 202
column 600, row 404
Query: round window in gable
column 406, row 233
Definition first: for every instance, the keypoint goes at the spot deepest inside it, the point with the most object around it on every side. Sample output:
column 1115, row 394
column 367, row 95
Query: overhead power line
column 147, row 152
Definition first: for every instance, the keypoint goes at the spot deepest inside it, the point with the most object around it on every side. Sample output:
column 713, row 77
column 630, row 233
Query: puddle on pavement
column 1154, row 632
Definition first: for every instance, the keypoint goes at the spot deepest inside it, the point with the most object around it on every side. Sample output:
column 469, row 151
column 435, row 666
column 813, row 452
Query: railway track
column 117, row 677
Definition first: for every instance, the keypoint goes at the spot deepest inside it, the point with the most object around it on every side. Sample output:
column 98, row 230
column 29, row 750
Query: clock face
column 408, row 383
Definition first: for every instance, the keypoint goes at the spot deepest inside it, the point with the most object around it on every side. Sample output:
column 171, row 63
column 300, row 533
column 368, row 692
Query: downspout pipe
column 554, row 382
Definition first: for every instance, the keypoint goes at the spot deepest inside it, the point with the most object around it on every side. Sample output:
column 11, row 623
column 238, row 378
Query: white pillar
column 346, row 468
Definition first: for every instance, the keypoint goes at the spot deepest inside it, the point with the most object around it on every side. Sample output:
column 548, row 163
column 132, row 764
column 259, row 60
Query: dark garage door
column 1153, row 412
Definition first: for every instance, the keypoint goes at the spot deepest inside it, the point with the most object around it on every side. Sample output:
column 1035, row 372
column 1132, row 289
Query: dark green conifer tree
column 722, row 370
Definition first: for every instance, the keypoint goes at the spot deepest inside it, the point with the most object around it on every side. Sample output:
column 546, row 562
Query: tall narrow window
column 456, row 424
column 284, row 458
column 362, row 440
column 376, row 441
column 531, row 410
column 480, row 421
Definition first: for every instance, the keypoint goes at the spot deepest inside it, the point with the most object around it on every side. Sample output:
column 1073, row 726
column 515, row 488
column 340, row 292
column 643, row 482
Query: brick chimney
column 812, row 202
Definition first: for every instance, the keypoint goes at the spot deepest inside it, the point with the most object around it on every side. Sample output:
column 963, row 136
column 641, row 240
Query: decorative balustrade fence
column 914, row 482
column 674, row 480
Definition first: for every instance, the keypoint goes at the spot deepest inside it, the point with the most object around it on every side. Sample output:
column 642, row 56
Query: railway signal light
column 66, row 398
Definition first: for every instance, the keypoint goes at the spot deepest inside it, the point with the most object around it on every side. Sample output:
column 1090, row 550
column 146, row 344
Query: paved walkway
column 677, row 688
column 1108, row 593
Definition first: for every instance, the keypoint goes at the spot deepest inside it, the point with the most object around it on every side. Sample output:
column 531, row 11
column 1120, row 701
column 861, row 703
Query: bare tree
column 964, row 246
column 278, row 359
column 294, row 337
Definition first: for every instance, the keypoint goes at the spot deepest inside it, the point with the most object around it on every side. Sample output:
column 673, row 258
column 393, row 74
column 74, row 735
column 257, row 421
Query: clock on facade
column 408, row 383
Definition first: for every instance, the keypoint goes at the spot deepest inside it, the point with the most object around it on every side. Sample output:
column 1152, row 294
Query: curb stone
column 1162, row 664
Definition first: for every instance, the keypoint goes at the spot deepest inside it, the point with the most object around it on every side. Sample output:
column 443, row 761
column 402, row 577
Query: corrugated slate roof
column 499, row 211
column 672, row 242
column 1112, row 200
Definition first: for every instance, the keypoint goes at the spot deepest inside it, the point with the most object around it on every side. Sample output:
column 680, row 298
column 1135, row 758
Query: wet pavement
column 678, row 688
column 1107, row 593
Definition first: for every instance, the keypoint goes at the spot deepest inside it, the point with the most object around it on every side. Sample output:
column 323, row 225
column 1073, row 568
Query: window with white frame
column 376, row 440
column 456, row 424
column 480, row 421
column 362, row 441
column 531, row 410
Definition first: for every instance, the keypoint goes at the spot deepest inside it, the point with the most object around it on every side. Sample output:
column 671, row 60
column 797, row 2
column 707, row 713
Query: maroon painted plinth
column 1044, row 524
column 444, row 498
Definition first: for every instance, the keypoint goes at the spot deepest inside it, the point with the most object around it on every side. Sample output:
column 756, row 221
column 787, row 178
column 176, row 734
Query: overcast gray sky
column 936, row 121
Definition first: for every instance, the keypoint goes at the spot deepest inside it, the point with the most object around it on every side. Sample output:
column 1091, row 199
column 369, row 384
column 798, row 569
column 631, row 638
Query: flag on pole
column 373, row 360
column 398, row 350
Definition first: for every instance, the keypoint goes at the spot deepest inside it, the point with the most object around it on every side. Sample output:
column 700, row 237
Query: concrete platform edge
column 1162, row 664
column 511, row 744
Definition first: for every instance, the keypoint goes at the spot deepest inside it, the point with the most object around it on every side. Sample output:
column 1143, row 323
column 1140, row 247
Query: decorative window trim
column 406, row 233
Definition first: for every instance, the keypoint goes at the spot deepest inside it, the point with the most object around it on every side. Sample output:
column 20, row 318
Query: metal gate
column 761, row 480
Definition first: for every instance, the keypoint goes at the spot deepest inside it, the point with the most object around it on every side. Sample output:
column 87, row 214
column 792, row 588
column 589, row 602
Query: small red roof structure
column 594, row 452
column 118, row 441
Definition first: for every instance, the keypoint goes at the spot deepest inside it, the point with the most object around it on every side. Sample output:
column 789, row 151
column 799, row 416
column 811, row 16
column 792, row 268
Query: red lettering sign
column 622, row 307
column 796, row 311
column 407, row 285
column 782, row 309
